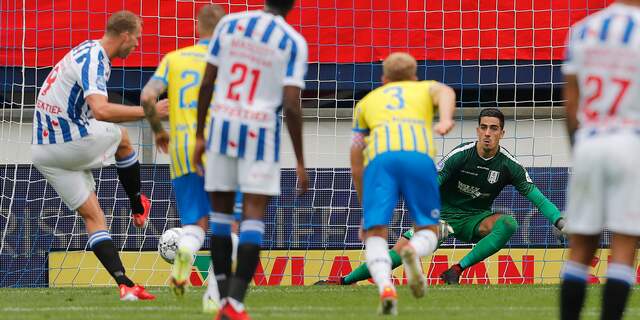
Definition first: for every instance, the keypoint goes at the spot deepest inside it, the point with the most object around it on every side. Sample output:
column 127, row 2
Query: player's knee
column 124, row 148
column 507, row 224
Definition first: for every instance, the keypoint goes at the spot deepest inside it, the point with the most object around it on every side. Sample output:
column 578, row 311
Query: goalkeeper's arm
column 546, row 207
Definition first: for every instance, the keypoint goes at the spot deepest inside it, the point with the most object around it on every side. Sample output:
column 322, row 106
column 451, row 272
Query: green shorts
column 464, row 225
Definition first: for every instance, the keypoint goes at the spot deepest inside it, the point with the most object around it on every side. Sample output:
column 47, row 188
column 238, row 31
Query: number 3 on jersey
column 396, row 92
column 239, row 71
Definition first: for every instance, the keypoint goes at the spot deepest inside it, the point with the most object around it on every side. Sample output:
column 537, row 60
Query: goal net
column 496, row 53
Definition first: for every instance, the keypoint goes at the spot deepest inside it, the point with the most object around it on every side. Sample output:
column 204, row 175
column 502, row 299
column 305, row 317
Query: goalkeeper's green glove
column 558, row 230
column 444, row 229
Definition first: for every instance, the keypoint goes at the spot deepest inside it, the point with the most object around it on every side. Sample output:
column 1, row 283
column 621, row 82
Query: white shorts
column 67, row 166
column 604, row 188
column 223, row 173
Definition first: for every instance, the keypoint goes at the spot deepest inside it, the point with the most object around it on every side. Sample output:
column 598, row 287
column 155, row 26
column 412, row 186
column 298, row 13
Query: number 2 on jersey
column 598, row 81
column 240, row 70
column 195, row 79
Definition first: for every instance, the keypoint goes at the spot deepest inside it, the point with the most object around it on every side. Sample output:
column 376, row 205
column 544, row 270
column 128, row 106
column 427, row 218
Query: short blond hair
column 123, row 21
column 208, row 18
column 399, row 66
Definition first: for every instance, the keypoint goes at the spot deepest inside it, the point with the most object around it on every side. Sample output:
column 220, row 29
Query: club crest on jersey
column 493, row 176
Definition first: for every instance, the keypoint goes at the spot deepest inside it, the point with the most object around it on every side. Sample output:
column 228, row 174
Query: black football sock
column 129, row 175
column 221, row 248
column 106, row 252
column 615, row 294
column 248, row 257
column 572, row 290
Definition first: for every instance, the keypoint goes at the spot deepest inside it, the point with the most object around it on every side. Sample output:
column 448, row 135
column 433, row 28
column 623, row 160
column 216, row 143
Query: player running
column 471, row 177
column 180, row 73
column 257, row 62
column 392, row 140
column 73, row 132
column 603, row 120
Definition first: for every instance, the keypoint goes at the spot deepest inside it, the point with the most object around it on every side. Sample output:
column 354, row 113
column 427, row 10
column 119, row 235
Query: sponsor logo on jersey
column 469, row 173
column 474, row 192
column 493, row 175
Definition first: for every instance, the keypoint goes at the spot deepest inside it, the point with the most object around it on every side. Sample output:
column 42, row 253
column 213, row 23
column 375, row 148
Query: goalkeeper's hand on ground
column 444, row 229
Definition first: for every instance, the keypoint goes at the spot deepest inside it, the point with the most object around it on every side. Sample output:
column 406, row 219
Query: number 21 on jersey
column 239, row 71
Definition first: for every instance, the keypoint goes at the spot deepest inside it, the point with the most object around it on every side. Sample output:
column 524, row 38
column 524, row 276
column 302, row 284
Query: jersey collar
column 485, row 159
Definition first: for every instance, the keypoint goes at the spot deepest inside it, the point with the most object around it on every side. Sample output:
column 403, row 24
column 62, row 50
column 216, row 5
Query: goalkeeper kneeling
column 470, row 177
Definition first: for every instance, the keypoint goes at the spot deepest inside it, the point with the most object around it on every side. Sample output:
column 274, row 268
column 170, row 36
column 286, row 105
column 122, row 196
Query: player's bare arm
column 103, row 110
column 357, row 161
column 204, row 96
column 445, row 98
column 150, row 93
column 293, row 118
column 572, row 97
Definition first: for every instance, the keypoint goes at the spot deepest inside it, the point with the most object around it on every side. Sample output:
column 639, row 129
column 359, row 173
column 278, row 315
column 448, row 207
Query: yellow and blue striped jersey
column 396, row 117
column 182, row 71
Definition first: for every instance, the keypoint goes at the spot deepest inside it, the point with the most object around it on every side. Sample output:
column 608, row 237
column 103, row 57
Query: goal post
column 496, row 53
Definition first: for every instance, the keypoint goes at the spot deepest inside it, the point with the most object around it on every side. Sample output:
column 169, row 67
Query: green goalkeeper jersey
column 469, row 183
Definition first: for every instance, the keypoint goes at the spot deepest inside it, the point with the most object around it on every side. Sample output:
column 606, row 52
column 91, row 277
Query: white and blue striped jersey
column 61, row 112
column 603, row 51
column 257, row 55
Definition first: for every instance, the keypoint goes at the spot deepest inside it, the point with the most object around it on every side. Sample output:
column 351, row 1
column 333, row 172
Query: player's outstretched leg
column 221, row 248
column 128, row 168
column 379, row 264
column 501, row 231
column 574, row 275
column 102, row 245
column 211, row 298
column 620, row 276
column 620, row 279
column 190, row 242
column 423, row 243
column 251, row 233
column 361, row 272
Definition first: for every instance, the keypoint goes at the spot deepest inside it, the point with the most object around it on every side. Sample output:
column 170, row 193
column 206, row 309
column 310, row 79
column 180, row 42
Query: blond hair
column 399, row 66
column 122, row 21
column 208, row 18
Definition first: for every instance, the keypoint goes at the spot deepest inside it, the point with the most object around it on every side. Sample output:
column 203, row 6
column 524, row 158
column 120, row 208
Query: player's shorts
column 191, row 199
column 465, row 226
column 391, row 174
column 604, row 188
column 67, row 166
column 227, row 174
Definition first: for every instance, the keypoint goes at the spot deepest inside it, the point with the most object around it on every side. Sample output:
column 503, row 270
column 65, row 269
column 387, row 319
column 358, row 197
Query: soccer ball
column 168, row 244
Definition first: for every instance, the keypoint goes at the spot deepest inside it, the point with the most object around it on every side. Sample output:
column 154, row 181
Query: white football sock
column 192, row 238
column 379, row 261
column 212, row 286
column 425, row 242
column 234, row 246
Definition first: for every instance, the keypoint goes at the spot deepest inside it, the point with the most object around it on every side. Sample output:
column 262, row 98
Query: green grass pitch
column 353, row 302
